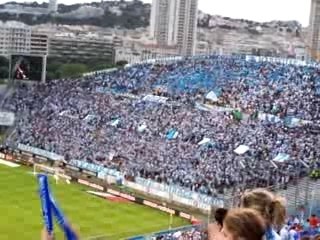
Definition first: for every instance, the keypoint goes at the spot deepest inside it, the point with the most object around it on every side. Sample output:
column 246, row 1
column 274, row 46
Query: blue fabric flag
column 172, row 134
column 45, row 202
column 62, row 221
column 50, row 206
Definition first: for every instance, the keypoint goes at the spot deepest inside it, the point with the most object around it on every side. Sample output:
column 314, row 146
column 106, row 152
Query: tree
column 101, row 66
column 72, row 70
column 121, row 63
column 53, row 70
column 4, row 61
column 4, row 73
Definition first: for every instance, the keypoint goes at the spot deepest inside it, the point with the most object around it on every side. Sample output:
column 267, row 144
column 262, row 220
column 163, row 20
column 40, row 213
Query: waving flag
column 281, row 158
column 50, row 207
column 172, row 134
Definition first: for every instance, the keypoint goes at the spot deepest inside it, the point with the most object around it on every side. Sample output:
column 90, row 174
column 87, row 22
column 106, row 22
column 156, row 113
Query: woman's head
column 245, row 224
column 271, row 207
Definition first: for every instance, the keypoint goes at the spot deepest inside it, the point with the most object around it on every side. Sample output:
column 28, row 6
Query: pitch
column 91, row 216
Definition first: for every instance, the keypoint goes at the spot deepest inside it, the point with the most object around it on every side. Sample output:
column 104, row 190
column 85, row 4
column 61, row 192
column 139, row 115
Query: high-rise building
column 67, row 49
column 53, row 6
column 174, row 22
column 18, row 38
column 314, row 30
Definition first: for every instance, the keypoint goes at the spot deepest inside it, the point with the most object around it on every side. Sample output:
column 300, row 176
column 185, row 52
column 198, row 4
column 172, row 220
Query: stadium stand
column 207, row 125
column 75, row 120
column 198, row 232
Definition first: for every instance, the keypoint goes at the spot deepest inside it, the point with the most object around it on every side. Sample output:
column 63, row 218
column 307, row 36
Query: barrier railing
column 99, row 72
column 156, row 60
column 287, row 61
column 169, row 193
column 194, row 232
column 303, row 195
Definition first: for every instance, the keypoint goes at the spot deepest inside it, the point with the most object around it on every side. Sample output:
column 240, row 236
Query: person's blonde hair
column 271, row 207
column 245, row 223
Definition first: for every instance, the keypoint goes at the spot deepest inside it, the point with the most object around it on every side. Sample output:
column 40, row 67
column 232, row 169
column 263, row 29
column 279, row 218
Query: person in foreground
column 46, row 236
column 271, row 207
column 243, row 224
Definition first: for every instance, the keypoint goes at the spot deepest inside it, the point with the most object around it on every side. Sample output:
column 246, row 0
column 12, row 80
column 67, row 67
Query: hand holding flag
column 49, row 207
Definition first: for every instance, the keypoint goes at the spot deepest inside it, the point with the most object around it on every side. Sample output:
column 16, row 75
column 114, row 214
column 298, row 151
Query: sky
column 257, row 10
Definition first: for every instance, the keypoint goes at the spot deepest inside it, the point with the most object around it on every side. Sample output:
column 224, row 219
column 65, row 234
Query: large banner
column 41, row 152
column 286, row 61
column 179, row 194
column 164, row 191
column 6, row 119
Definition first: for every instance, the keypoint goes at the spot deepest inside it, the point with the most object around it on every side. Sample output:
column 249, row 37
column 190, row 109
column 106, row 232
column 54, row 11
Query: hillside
column 121, row 14
column 130, row 15
column 215, row 33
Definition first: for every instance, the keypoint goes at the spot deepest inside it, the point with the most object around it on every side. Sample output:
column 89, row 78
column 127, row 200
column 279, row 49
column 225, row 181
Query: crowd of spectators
column 193, row 233
column 302, row 227
column 90, row 119
column 269, row 87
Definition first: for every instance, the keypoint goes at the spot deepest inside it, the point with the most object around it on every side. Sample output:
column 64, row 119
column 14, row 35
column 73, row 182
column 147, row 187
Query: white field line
column 9, row 164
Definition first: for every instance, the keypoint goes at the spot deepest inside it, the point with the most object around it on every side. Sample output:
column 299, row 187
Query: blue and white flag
column 172, row 134
column 211, row 96
column 281, row 158
column 45, row 202
column 50, row 208
column 115, row 122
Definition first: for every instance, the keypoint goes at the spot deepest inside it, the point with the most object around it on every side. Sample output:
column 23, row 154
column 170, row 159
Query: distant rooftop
column 13, row 24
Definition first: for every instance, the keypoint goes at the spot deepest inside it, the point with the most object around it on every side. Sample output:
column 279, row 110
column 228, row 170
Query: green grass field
column 20, row 210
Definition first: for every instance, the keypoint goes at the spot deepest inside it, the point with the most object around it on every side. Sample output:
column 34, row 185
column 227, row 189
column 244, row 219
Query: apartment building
column 53, row 6
column 174, row 22
column 18, row 38
column 141, row 52
column 76, row 49
column 314, row 31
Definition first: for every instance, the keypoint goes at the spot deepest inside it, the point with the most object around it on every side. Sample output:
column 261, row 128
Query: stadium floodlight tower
column 26, row 50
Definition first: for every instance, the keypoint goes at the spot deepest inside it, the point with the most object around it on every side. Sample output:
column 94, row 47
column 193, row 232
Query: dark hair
column 245, row 223
column 305, row 238
column 219, row 215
